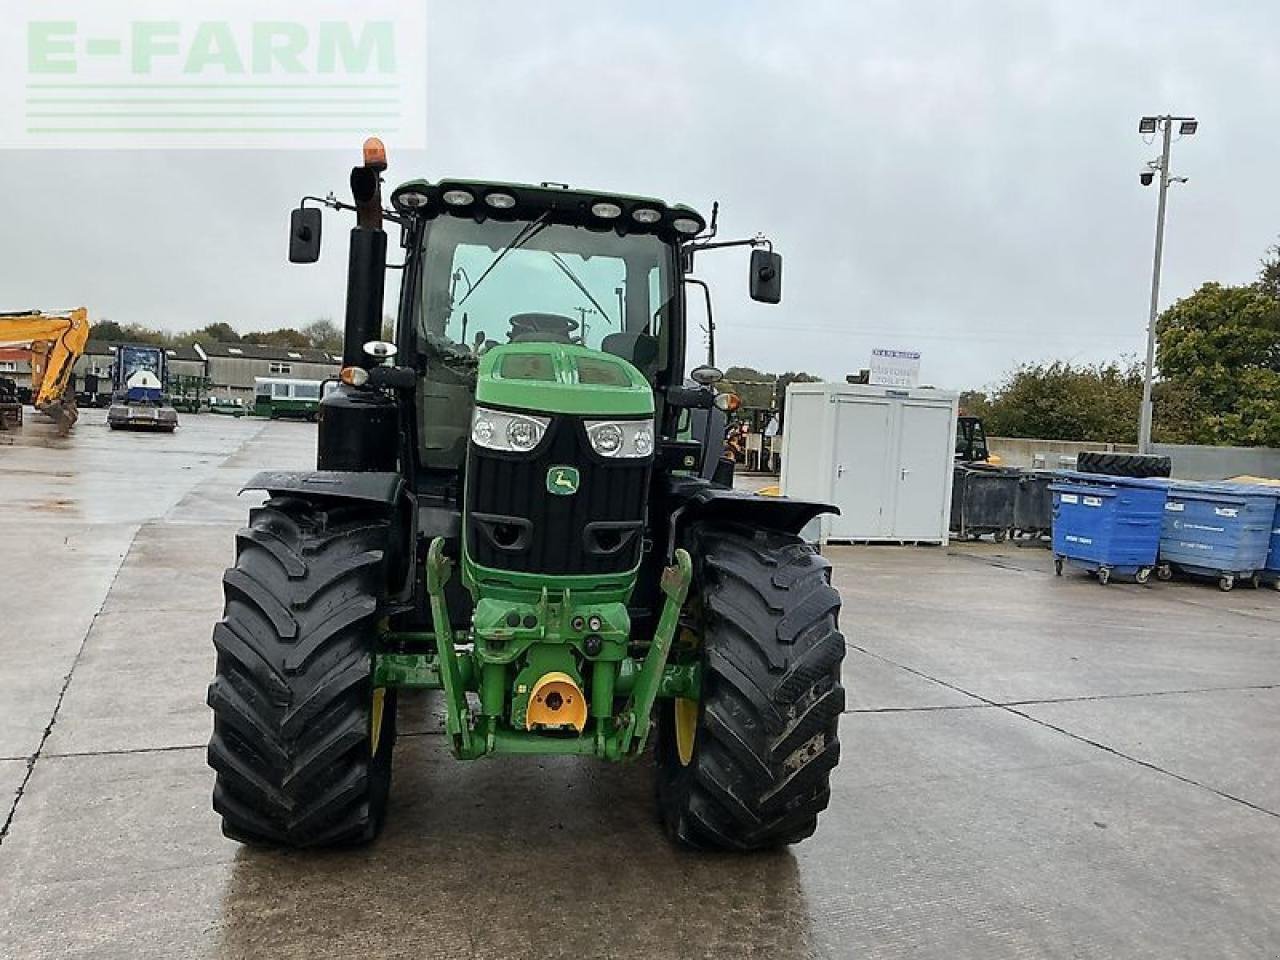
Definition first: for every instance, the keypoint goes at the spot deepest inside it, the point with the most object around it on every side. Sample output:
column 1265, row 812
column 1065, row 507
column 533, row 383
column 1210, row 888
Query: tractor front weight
column 547, row 672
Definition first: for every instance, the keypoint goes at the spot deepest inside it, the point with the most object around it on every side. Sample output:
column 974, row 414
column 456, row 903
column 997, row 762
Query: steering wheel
column 552, row 327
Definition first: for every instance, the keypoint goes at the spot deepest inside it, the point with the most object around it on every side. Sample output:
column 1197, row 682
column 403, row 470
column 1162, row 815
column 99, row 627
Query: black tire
column 292, row 697
column 767, row 722
column 1123, row 464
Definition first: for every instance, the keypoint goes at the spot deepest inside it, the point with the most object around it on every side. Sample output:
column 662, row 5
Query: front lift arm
column 454, row 673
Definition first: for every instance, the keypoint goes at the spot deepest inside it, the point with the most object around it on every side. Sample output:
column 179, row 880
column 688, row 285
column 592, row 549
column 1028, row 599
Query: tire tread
column 292, row 690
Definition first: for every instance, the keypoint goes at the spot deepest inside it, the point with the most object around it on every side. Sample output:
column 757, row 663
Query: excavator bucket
column 64, row 413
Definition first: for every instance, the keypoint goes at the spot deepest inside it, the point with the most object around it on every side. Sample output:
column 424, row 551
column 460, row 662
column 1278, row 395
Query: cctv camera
column 1146, row 176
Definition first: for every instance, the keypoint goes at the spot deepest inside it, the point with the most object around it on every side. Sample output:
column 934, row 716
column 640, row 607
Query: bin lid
column 1087, row 489
column 1105, row 479
column 1231, row 492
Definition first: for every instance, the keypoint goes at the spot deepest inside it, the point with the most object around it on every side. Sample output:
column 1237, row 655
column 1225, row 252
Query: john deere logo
column 562, row 480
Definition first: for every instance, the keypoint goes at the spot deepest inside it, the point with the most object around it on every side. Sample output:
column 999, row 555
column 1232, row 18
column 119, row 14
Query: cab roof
column 526, row 201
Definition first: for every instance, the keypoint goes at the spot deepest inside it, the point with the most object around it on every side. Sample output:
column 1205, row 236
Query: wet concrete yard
column 1033, row 766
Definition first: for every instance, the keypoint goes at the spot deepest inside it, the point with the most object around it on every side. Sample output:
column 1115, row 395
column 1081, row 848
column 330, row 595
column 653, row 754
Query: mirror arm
column 333, row 203
column 759, row 240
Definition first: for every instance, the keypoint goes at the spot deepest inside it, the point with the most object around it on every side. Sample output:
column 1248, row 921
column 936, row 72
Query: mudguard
column 692, row 499
column 348, row 485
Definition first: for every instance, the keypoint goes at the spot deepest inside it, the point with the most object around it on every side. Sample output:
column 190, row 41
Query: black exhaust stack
column 367, row 261
column 359, row 428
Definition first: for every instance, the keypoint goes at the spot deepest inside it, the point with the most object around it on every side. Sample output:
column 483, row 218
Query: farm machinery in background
column 138, row 400
column 53, row 342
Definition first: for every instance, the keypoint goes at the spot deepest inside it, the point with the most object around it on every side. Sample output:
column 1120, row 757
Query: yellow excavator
column 56, row 341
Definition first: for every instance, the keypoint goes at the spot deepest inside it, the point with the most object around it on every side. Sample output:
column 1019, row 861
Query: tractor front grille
column 514, row 523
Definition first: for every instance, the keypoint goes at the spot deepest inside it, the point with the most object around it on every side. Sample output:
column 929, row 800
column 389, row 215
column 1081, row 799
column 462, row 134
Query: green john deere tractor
column 522, row 504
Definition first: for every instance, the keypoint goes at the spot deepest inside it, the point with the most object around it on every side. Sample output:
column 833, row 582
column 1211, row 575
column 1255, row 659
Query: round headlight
column 606, row 211
column 500, row 201
column 522, row 434
column 686, row 225
column 607, row 439
column 482, row 430
column 643, row 442
column 457, row 198
column 645, row 215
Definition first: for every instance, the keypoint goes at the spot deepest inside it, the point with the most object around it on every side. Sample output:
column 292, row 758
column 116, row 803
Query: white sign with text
column 895, row 368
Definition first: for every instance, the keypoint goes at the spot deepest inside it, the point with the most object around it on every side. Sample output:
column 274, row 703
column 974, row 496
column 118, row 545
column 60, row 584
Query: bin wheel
column 1104, row 575
column 1255, row 581
column 1057, row 566
column 1226, row 583
column 1143, row 575
column 1164, row 572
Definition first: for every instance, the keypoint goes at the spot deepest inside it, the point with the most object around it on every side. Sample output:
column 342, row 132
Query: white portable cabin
column 883, row 455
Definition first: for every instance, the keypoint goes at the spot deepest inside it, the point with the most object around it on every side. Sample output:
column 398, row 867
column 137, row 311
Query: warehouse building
column 232, row 367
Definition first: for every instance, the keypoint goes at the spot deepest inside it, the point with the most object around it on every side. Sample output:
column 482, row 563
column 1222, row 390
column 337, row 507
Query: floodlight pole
column 1144, row 416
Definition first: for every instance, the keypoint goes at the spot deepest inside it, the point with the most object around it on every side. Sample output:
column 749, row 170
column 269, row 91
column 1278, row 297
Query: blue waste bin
column 1272, row 572
column 1217, row 530
column 1109, row 526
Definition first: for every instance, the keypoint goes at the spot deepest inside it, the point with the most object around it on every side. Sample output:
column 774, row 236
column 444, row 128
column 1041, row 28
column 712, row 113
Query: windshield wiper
column 527, row 233
column 564, row 268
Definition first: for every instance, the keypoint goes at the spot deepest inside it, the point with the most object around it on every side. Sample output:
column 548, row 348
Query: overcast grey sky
column 958, row 178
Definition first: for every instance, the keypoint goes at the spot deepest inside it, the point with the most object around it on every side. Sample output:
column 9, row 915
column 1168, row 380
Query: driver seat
column 638, row 349
column 544, row 327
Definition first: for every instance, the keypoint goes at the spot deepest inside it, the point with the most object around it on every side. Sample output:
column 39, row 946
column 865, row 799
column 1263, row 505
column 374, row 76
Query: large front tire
column 765, row 737
column 301, row 741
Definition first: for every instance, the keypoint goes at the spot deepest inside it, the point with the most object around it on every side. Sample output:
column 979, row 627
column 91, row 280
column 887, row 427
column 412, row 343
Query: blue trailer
column 1108, row 526
column 1217, row 530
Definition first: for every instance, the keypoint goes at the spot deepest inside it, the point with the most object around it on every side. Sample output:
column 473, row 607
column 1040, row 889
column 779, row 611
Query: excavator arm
column 56, row 341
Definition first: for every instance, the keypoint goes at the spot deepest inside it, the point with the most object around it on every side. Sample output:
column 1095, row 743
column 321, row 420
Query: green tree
column 219, row 332
column 1221, row 347
column 282, row 337
column 1269, row 275
column 105, row 329
column 755, row 387
column 323, row 334
column 137, row 333
column 1062, row 401
column 975, row 403
column 760, row 390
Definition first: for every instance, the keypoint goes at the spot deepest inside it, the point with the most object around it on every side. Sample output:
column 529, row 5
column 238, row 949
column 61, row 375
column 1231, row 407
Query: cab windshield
column 560, row 283
column 553, row 283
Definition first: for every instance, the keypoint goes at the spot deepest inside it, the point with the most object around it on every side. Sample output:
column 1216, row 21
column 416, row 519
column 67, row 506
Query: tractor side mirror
column 766, row 276
column 304, row 235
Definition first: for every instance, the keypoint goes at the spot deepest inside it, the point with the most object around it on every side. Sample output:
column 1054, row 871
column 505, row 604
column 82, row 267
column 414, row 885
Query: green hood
column 562, row 378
